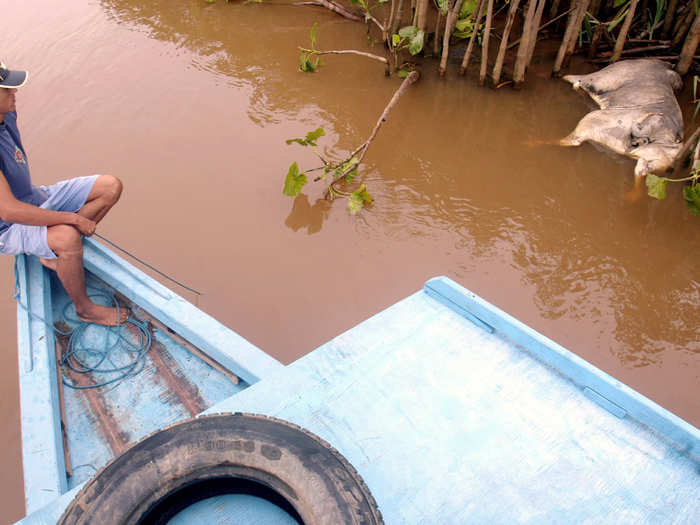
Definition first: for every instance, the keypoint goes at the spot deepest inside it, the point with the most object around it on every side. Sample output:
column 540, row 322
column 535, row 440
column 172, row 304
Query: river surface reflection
column 190, row 104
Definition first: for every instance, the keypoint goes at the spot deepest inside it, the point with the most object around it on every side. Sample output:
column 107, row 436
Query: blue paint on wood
column 449, row 422
column 42, row 447
column 225, row 346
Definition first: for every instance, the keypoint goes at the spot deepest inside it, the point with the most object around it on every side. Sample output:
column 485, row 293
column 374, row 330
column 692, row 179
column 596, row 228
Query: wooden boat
column 70, row 433
column 450, row 410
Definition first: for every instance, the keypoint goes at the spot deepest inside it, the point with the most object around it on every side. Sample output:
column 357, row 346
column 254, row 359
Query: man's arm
column 16, row 211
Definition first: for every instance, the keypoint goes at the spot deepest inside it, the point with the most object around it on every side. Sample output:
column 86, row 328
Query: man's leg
column 67, row 243
column 104, row 194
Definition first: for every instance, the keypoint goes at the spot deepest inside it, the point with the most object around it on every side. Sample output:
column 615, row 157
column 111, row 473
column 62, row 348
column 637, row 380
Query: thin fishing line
column 147, row 265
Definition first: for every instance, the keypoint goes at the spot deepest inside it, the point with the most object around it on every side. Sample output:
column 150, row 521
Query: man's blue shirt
column 14, row 166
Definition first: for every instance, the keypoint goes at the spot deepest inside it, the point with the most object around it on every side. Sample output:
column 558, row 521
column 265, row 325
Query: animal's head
column 655, row 158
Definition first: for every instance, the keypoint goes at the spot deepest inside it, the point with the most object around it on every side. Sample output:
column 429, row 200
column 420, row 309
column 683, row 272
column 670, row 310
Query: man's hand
column 85, row 225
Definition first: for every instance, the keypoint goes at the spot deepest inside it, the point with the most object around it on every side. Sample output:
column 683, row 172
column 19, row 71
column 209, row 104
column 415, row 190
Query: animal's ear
column 674, row 79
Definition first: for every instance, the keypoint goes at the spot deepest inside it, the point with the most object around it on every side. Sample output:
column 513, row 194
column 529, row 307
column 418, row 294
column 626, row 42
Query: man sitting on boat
column 49, row 221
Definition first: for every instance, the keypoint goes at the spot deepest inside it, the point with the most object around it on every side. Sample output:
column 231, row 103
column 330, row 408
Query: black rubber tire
column 314, row 478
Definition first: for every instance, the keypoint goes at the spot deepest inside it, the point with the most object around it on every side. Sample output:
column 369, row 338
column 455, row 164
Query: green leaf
column 358, row 199
column 305, row 63
column 416, row 44
column 396, row 40
column 468, row 8
column 618, row 3
column 408, row 32
column 656, row 186
column 463, row 24
column 355, row 204
column 443, row 6
column 350, row 176
column 403, row 73
column 294, row 182
column 313, row 35
column 692, row 198
column 312, row 136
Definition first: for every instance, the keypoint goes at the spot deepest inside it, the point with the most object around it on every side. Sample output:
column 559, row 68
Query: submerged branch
column 345, row 52
column 361, row 151
column 339, row 9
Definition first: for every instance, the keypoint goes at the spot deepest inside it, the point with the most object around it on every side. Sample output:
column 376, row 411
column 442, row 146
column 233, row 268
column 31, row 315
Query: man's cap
column 12, row 78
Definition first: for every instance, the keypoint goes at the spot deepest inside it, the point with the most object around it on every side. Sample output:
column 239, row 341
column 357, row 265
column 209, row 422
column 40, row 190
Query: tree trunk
column 572, row 29
column 436, row 35
column 595, row 7
column 691, row 44
column 397, row 18
column 528, row 33
column 468, row 52
column 449, row 26
column 535, row 30
column 668, row 19
column 597, row 35
column 683, row 27
column 620, row 43
column 421, row 14
column 496, row 75
column 485, row 43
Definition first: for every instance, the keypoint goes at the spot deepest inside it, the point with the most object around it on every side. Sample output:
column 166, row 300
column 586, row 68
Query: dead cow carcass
column 638, row 117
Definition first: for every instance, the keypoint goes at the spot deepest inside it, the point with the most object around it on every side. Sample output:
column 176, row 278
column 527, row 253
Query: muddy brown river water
column 190, row 103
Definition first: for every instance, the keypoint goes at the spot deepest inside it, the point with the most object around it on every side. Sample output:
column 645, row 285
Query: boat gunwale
column 619, row 399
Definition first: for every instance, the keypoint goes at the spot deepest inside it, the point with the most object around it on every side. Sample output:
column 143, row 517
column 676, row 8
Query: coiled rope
column 116, row 359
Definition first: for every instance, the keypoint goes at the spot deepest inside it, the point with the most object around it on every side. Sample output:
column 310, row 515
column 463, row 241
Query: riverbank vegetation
column 506, row 33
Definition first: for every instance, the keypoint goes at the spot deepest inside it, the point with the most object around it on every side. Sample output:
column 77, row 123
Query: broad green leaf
column 312, row 136
column 294, row 182
column 692, row 198
column 358, row 199
column 464, row 24
column 408, row 32
column 313, row 35
column 415, row 46
column 468, row 7
column 355, row 204
column 396, row 40
column 403, row 73
column 656, row 186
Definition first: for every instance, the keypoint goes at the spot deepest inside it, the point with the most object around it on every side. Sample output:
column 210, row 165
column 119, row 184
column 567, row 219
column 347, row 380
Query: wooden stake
column 569, row 40
column 620, row 43
column 668, row 19
column 528, row 33
column 436, row 35
column 468, row 52
column 496, row 74
column 689, row 47
column 397, row 18
column 449, row 27
column 421, row 14
column 485, row 44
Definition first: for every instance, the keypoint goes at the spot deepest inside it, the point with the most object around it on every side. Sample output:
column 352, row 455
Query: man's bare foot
column 51, row 264
column 104, row 315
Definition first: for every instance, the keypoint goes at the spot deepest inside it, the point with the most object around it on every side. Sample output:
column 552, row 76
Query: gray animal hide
column 639, row 116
